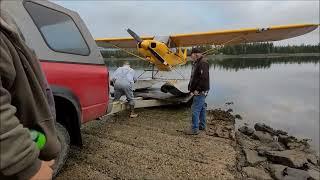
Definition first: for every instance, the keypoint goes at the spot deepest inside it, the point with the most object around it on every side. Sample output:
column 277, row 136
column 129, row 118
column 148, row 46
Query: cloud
column 111, row 18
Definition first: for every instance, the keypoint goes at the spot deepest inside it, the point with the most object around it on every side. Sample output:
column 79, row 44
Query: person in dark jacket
column 26, row 103
column 198, row 86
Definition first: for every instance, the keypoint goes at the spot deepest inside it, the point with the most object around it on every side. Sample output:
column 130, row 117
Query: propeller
column 139, row 40
column 134, row 35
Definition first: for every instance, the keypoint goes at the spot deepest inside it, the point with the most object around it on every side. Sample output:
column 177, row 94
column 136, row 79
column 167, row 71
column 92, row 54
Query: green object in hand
column 39, row 138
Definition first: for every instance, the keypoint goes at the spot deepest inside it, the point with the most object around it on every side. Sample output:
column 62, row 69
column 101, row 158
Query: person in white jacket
column 123, row 79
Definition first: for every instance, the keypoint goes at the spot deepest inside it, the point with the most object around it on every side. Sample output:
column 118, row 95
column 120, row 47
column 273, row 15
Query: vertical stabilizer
column 183, row 55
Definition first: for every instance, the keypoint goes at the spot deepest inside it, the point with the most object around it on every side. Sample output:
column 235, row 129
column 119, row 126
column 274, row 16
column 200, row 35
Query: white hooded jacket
column 125, row 73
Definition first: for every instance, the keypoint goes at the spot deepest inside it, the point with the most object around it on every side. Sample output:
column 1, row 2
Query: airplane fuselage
column 159, row 54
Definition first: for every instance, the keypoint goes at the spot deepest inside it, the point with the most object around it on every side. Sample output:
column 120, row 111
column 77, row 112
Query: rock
column 256, row 173
column 276, row 171
column 246, row 142
column 237, row 116
column 265, row 128
column 280, row 172
column 276, row 146
column 220, row 124
column 246, row 130
column 293, row 143
column 314, row 174
column 312, row 151
column 229, row 103
column 221, row 131
column 252, row 157
column 312, row 158
column 296, row 173
column 280, row 132
column 261, row 151
column 284, row 139
column 219, row 115
column 262, row 136
column 272, row 146
column 298, row 145
column 291, row 158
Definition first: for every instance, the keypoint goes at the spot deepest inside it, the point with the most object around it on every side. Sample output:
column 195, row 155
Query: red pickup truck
column 71, row 61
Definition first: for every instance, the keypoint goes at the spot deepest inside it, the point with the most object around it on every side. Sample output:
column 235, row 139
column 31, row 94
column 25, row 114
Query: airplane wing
column 249, row 35
column 127, row 42
column 273, row 33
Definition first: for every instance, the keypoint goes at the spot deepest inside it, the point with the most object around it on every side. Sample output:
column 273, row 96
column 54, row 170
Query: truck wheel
column 64, row 139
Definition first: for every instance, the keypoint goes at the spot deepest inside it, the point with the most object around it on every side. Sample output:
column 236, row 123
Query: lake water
column 280, row 92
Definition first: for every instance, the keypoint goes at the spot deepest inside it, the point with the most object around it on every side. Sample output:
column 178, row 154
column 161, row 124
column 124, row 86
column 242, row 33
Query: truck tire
column 64, row 139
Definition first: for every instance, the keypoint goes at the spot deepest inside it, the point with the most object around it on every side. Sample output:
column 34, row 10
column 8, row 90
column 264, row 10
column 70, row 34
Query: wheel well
column 68, row 116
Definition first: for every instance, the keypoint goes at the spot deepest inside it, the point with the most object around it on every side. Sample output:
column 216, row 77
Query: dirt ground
column 151, row 146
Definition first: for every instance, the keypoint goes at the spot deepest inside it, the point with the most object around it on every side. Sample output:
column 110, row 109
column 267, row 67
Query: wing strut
column 225, row 43
column 127, row 51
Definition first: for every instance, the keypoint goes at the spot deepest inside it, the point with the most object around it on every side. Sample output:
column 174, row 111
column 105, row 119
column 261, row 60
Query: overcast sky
column 111, row 18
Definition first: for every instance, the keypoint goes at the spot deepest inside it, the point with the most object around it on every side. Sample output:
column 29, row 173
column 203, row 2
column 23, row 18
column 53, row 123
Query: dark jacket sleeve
column 19, row 154
column 200, row 81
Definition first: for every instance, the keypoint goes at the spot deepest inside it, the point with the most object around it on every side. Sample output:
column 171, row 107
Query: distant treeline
column 227, row 64
column 267, row 48
column 252, row 48
column 260, row 63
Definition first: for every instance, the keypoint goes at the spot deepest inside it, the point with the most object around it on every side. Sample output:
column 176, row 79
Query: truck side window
column 57, row 29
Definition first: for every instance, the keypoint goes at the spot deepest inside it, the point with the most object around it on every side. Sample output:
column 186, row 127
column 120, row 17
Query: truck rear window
column 57, row 29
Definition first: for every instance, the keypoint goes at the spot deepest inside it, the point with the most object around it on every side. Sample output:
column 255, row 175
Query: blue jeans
column 198, row 112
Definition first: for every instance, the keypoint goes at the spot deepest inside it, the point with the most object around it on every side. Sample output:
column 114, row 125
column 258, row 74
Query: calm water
column 281, row 92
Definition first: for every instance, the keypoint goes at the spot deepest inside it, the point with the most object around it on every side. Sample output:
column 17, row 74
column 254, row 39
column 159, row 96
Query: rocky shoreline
column 265, row 153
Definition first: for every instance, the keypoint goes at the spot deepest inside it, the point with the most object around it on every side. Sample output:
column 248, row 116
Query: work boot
column 191, row 132
column 132, row 114
column 202, row 128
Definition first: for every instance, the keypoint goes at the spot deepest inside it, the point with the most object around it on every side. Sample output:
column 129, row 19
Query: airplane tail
column 183, row 56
